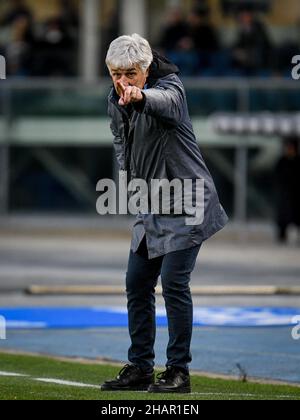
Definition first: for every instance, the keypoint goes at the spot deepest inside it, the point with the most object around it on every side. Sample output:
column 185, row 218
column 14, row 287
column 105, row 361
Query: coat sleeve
column 117, row 141
column 166, row 101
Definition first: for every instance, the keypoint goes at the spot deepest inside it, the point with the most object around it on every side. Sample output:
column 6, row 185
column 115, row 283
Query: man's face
column 133, row 76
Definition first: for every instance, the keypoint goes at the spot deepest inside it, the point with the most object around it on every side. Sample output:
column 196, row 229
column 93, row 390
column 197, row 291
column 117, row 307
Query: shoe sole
column 186, row 390
column 116, row 389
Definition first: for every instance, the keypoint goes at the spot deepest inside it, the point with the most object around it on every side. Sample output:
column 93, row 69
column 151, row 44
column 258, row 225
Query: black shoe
column 130, row 378
column 173, row 380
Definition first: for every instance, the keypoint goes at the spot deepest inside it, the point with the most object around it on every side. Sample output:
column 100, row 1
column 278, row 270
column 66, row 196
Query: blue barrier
column 43, row 318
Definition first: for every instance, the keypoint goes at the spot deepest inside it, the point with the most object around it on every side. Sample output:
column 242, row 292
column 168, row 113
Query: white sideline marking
column 13, row 374
column 49, row 380
column 66, row 383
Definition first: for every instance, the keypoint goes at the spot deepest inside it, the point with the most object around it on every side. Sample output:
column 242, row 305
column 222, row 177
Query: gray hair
column 127, row 51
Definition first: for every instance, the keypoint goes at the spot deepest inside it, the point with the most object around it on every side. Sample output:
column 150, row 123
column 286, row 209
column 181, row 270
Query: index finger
column 121, row 86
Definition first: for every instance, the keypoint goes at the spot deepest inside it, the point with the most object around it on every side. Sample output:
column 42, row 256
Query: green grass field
column 42, row 376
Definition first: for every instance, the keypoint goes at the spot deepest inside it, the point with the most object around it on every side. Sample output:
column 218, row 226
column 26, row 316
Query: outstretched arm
column 165, row 101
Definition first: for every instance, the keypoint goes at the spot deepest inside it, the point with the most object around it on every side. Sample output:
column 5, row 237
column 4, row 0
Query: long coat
column 154, row 139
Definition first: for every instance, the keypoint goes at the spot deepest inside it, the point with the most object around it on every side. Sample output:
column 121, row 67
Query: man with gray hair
column 154, row 139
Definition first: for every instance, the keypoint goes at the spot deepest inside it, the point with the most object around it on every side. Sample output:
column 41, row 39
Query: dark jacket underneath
column 155, row 140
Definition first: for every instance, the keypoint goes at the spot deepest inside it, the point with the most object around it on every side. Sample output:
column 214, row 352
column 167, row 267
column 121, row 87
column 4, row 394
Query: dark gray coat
column 155, row 140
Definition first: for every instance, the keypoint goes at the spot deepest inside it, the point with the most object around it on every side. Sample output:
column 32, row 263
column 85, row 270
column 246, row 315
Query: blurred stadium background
column 235, row 58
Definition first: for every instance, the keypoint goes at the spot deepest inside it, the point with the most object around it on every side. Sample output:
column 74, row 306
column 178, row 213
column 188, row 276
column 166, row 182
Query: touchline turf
column 43, row 378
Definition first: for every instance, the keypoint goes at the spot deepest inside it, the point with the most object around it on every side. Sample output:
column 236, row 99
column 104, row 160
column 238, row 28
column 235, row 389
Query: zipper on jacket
column 127, row 144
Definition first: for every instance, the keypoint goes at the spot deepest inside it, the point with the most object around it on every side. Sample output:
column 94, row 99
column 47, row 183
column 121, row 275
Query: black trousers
column 142, row 275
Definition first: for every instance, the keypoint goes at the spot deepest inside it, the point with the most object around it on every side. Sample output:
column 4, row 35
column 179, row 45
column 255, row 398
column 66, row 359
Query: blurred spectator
column 18, row 41
column 287, row 176
column 252, row 50
column 17, row 10
column 19, row 50
column 178, row 45
column 201, row 30
column 185, row 56
column 55, row 51
column 204, row 36
column 190, row 43
column 68, row 16
column 175, row 30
